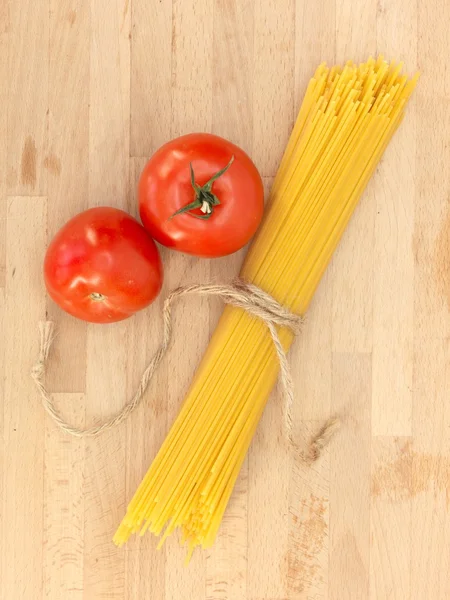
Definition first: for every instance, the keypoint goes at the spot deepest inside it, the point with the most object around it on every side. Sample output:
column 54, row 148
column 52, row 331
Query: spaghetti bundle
column 346, row 120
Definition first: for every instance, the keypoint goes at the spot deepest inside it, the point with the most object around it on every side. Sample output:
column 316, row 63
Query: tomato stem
column 204, row 198
column 97, row 297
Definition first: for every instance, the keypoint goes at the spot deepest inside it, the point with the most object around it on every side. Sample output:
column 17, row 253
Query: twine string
column 246, row 296
column 321, row 439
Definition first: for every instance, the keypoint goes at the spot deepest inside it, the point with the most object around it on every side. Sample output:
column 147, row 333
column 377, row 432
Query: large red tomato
column 202, row 195
column 102, row 266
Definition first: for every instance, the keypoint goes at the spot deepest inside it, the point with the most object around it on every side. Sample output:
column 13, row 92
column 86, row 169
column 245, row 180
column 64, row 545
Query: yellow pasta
column 346, row 120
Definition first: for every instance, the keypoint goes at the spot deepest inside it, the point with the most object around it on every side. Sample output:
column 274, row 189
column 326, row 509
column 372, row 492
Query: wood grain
column 4, row 39
column 390, row 523
column 64, row 504
column 27, row 82
column 273, row 100
column 89, row 90
column 309, row 521
column 2, row 428
column 430, row 516
column 151, row 76
column 23, row 420
column 349, row 540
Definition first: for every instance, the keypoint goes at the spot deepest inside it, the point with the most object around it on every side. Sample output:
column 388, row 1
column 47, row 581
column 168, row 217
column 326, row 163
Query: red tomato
column 102, row 266
column 184, row 206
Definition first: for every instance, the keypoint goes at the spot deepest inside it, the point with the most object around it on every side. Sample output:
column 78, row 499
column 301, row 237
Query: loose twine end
column 322, row 438
column 47, row 331
column 239, row 293
column 46, row 335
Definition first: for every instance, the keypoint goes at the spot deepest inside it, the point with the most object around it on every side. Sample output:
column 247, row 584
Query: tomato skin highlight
column 165, row 187
column 102, row 266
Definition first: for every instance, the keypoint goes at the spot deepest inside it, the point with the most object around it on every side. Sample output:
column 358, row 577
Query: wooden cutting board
column 88, row 91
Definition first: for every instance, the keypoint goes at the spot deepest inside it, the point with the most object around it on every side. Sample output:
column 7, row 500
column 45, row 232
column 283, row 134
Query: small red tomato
column 102, row 266
column 202, row 195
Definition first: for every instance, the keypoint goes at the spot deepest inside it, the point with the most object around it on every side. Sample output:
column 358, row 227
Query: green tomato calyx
column 204, row 198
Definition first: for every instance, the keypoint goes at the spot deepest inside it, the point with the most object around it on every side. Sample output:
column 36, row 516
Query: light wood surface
column 88, row 91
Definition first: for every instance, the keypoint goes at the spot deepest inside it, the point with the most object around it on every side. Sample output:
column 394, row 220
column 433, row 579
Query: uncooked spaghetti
column 347, row 118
